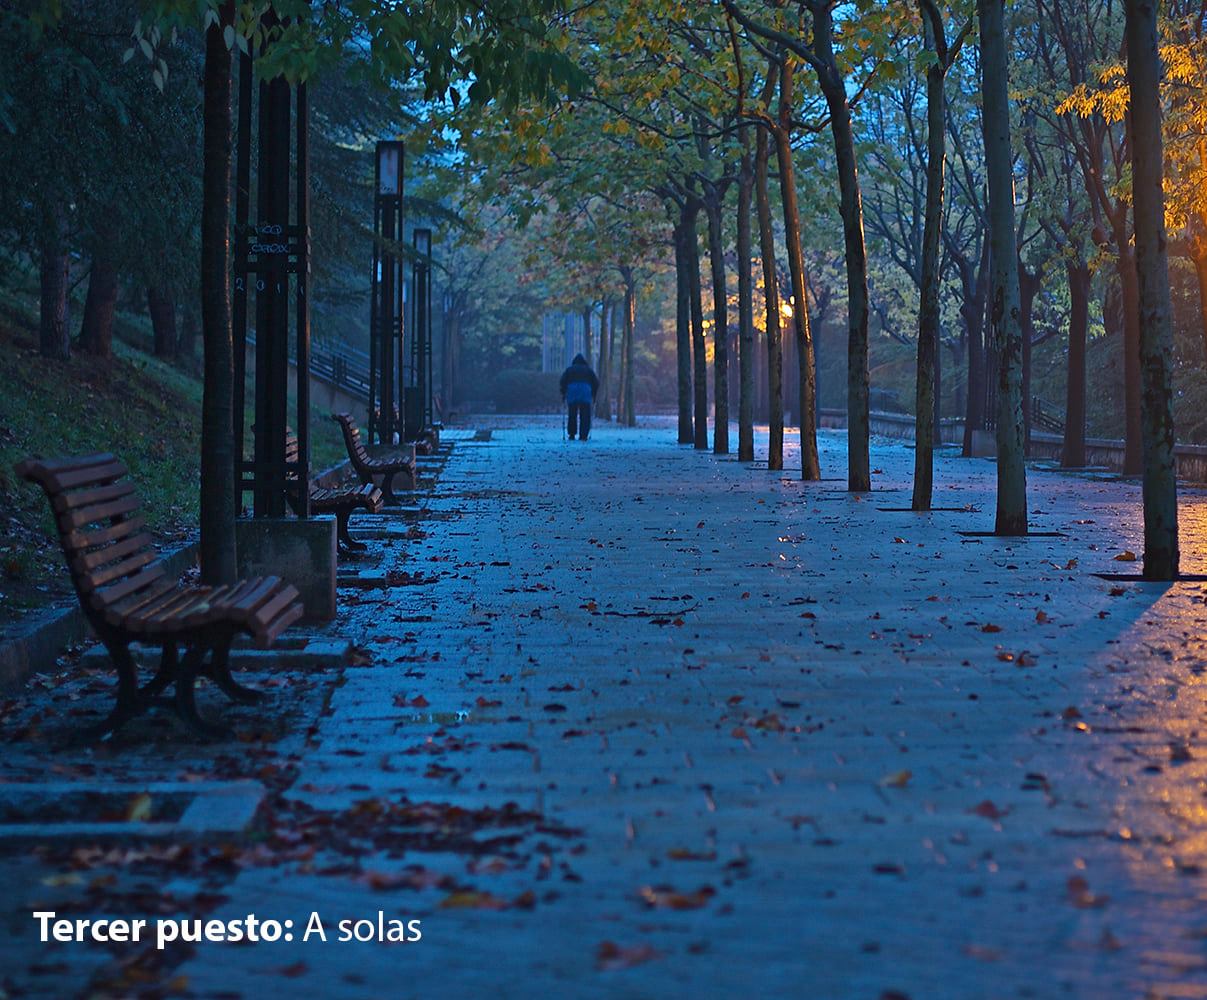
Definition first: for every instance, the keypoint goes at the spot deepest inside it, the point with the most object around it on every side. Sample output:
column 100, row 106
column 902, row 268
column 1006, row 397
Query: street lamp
column 389, row 167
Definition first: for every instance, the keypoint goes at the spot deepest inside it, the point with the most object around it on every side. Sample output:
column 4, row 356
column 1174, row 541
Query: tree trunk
column 603, row 399
column 186, row 344
column 630, row 334
column 926, row 424
column 771, row 296
column 452, row 350
column 720, row 322
column 1200, row 270
column 684, row 230
column 1028, row 287
column 96, row 330
column 745, row 311
column 622, row 376
column 613, row 367
column 1072, row 454
column 810, row 466
column 54, row 339
column 1004, row 313
column 1133, row 452
column 218, row 502
column 833, row 86
column 162, row 308
column 1152, row 269
column 587, row 352
column 699, row 350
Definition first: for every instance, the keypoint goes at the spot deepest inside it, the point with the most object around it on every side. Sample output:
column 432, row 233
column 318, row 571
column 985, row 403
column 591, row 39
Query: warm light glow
column 786, row 310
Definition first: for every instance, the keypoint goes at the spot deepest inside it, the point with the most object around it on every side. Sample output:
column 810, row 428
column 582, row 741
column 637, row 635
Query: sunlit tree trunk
column 1200, row 270
column 1152, row 270
column 1004, row 309
column 683, row 333
column 699, row 349
column 775, row 360
column 810, row 466
column 720, row 321
column 745, row 310
column 218, row 506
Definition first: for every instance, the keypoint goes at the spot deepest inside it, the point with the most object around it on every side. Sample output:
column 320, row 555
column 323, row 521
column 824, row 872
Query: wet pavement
column 631, row 720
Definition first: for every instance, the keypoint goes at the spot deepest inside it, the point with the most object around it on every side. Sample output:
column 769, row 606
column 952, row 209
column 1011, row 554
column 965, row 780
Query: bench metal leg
column 168, row 664
column 388, row 497
column 185, row 701
column 345, row 539
column 129, row 703
column 220, row 673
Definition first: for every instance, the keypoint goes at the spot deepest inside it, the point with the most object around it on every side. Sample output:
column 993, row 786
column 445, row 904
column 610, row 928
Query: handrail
column 344, row 367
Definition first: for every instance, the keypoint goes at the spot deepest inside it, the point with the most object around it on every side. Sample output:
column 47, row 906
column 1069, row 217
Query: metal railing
column 1047, row 416
column 344, row 367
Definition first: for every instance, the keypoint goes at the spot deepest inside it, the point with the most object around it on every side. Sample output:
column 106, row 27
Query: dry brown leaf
column 664, row 898
column 610, row 955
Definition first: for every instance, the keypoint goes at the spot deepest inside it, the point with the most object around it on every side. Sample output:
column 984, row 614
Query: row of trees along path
column 636, row 122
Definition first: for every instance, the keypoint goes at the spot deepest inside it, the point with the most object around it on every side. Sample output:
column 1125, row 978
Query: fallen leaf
column 989, row 810
column 1127, row 555
column 139, row 808
column 1081, row 896
column 471, row 900
column 664, row 898
column 898, row 779
column 610, row 955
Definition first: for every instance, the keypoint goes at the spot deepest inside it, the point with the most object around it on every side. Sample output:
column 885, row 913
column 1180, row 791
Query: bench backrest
column 356, row 448
column 109, row 553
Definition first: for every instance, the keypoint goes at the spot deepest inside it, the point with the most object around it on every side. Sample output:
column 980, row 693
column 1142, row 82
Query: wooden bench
column 366, row 467
column 340, row 502
column 128, row 597
column 425, row 443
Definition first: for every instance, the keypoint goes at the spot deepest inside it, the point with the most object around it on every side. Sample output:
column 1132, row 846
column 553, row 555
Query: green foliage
column 526, row 392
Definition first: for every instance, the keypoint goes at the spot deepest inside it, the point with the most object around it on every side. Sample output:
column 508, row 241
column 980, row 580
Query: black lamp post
column 385, row 304
column 419, row 404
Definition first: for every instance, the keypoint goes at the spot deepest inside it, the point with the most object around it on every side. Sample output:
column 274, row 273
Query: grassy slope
column 134, row 405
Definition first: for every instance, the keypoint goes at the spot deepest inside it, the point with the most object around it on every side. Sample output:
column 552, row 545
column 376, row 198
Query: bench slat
column 267, row 617
column 77, row 541
column 85, row 562
column 156, row 609
column 247, row 602
column 94, row 579
column 118, row 611
column 105, row 596
column 76, row 519
column 92, row 475
column 97, row 494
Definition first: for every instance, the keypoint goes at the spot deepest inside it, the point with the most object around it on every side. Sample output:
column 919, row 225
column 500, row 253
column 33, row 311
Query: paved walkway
column 759, row 737
column 780, row 741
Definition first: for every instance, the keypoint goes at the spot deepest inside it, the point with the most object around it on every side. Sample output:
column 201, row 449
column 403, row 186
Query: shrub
column 527, row 392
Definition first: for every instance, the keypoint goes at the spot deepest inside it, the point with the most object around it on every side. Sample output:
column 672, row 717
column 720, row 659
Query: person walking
column 579, row 386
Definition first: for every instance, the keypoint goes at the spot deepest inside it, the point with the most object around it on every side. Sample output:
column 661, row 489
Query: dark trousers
column 580, row 415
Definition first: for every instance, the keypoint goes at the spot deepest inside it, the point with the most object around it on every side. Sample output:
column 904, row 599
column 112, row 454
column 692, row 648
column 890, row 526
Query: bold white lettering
column 43, row 917
column 315, row 926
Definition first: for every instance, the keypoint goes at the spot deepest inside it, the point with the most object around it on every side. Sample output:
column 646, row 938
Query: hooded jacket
column 579, row 383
